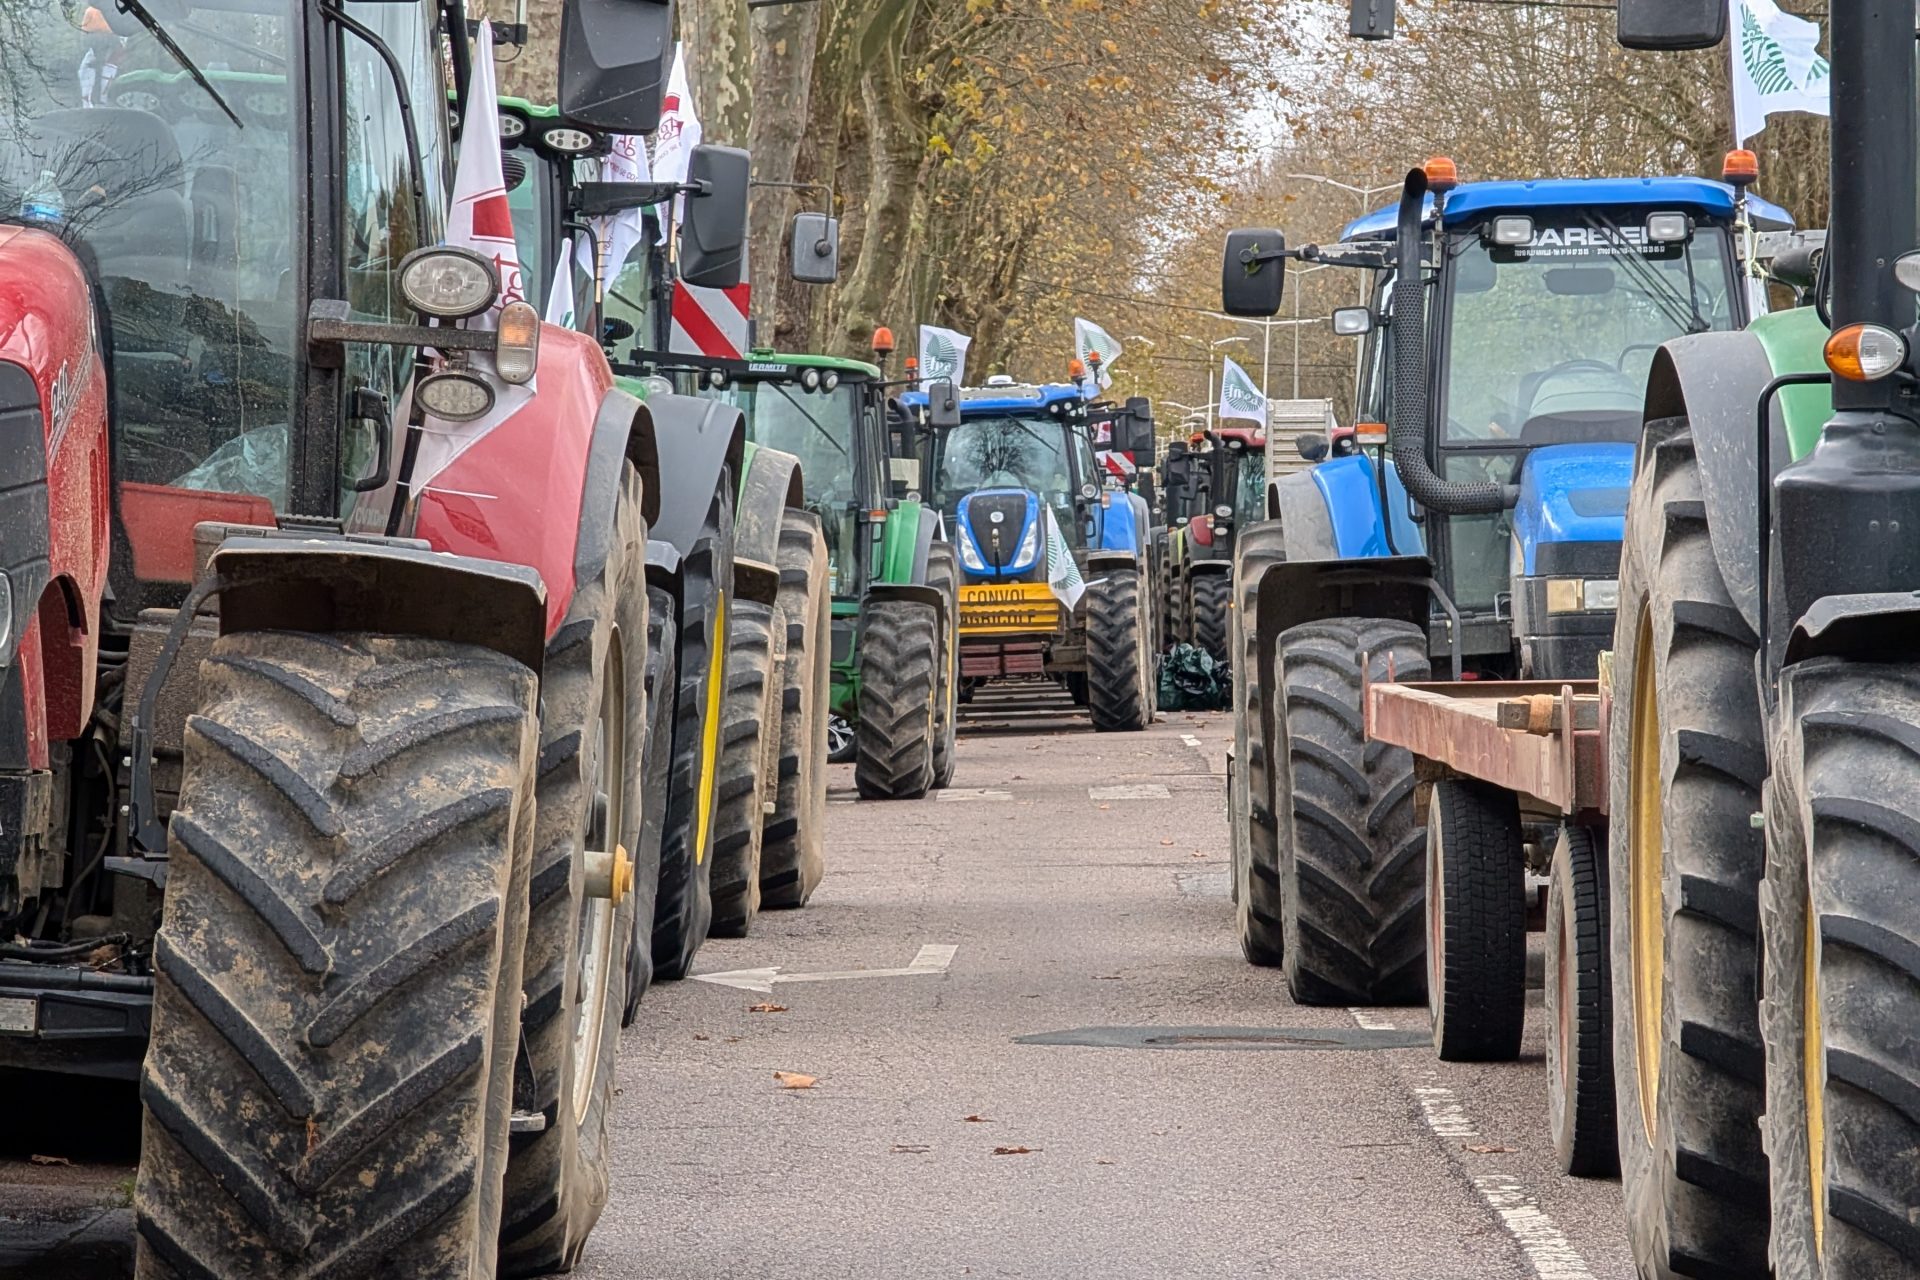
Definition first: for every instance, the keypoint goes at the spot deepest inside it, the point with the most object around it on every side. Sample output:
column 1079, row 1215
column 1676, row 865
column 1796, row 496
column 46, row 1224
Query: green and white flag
column 1088, row 339
column 1239, row 397
column 1776, row 66
column 1063, row 575
column 943, row 354
column 561, row 307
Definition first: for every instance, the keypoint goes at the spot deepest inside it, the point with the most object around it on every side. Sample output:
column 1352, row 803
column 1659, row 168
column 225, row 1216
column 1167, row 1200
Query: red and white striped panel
column 1118, row 464
column 710, row 322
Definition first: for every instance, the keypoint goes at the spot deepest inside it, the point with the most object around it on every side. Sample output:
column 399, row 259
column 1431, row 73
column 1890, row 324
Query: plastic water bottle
column 44, row 204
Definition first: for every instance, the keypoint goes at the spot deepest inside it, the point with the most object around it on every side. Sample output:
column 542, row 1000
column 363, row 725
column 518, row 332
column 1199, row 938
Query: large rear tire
column 1251, row 796
column 943, row 575
column 684, row 911
column 1686, row 763
column 1579, row 1000
column 793, row 852
column 592, row 722
column 663, row 669
column 337, row 973
column 1352, row 876
column 899, row 648
column 1119, row 668
column 1840, row 907
column 749, row 731
column 1212, row 598
column 1476, row 922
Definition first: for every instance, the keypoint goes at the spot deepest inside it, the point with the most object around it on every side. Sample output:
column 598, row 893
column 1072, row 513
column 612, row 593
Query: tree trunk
column 714, row 35
column 784, row 42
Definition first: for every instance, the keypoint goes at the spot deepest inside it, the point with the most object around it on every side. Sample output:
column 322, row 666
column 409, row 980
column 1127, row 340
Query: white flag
column 1239, row 397
column 1063, row 575
column 616, row 235
column 481, row 220
column 561, row 306
column 1089, row 339
column 679, row 133
column 943, row 354
column 1776, row 66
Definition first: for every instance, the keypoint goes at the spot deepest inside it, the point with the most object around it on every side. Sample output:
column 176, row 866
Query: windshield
column 1553, row 340
column 1007, row 453
column 1250, row 486
column 817, row 428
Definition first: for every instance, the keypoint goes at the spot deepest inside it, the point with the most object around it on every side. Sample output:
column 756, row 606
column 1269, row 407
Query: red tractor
column 321, row 777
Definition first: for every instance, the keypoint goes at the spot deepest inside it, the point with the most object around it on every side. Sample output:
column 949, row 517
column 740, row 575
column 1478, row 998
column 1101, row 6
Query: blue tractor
column 1057, row 575
column 1506, row 347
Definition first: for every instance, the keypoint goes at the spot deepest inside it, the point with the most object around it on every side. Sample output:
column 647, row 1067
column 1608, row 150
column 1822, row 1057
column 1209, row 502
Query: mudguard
column 696, row 440
column 1106, row 561
column 771, row 485
column 1714, row 380
column 919, row 592
column 622, row 432
column 905, row 543
column 1883, row 627
column 1292, row 592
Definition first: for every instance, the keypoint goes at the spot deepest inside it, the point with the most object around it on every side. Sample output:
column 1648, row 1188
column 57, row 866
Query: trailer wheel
column 899, row 641
column 337, row 972
column 1684, row 861
column 655, row 773
column 1212, row 596
column 1352, row 878
column 1840, row 907
column 792, row 857
column 684, row 911
column 749, row 734
column 943, row 575
column 1119, row 671
column 1476, row 922
column 1251, row 798
column 1579, row 1003
column 592, row 718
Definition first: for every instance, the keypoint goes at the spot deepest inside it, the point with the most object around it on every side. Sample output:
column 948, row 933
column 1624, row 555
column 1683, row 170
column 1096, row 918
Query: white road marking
column 952, row 796
column 1190, row 740
column 1371, row 1021
column 1133, row 791
column 934, row 958
column 1551, row 1253
column 1442, row 1112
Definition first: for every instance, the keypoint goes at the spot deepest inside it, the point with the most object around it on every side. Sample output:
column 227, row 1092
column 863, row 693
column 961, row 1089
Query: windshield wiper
column 811, row 420
column 1684, row 312
column 152, row 24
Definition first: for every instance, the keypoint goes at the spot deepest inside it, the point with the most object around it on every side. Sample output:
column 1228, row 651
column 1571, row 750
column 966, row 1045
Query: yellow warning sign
column 1008, row 608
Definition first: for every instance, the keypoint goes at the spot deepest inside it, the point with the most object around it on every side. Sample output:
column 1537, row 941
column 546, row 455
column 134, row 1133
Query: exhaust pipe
column 1407, row 432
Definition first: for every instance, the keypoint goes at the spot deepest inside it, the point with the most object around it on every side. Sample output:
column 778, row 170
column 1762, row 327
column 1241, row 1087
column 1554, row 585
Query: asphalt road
column 1210, row 1129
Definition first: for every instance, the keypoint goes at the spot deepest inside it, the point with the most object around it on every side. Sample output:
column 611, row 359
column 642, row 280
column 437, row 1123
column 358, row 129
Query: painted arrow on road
column 933, row 958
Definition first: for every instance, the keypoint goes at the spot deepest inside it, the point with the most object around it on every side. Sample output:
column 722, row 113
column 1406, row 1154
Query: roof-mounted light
column 830, row 382
column 810, row 379
column 1741, row 168
column 568, row 141
column 513, row 127
column 1443, row 175
column 1512, row 231
column 1668, row 228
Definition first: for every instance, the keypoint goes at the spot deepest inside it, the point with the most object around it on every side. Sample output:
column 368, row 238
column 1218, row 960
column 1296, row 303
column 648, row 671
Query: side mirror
column 614, row 331
column 1248, row 286
column 815, row 248
column 1133, row 432
column 1371, row 20
column 1663, row 26
column 1314, row 448
column 614, row 60
column 1353, row 322
column 713, row 243
column 943, row 404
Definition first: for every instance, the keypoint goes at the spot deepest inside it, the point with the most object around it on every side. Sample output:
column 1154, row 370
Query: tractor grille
column 999, row 540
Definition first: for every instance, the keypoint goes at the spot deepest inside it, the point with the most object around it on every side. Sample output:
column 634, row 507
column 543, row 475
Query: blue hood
column 998, row 549
column 1572, row 493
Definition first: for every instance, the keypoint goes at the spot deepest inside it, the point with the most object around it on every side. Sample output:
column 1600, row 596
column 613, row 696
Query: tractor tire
column 841, row 740
column 656, row 770
column 1212, row 601
column 1352, row 874
column 1119, row 668
column 1580, row 1116
column 1476, row 922
column 1686, row 760
column 749, row 727
column 1257, row 899
column 943, row 575
column 1840, row 913
column 899, row 661
column 683, row 913
column 792, row 853
column 330, row 1071
column 592, row 727
column 1075, row 683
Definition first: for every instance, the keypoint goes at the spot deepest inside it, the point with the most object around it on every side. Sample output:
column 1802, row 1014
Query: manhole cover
column 1340, row 1039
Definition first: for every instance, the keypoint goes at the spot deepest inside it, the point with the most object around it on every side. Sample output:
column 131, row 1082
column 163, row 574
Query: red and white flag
column 480, row 220
column 678, row 135
column 616, row 236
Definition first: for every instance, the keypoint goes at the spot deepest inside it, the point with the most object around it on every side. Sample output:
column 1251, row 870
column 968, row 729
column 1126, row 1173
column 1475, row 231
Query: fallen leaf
column 792, row 1080
column 1103, row 1162
column 1106, row 977
column 910, row 1149
column 1168, row 840
column 1198, row 853
column 978, row 1120
column 698, row 1036
column 50, row 1160
column 766, row 1008
column 1106, row 806
column 1013, row 1151
column 1485, row 1149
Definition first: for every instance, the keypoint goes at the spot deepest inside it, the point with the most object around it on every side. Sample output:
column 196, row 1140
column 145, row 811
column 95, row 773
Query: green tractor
column 1211, row 493
column 745, row 783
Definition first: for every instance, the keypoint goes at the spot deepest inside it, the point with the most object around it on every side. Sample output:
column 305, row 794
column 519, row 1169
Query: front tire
column 1476, row 922
column 899, row 646
column 943, row 575
column 1579, row 1007
column 1119, row 669
column 792, row 854
column 1251, row 795
column 749, row 733
column 1212, row 598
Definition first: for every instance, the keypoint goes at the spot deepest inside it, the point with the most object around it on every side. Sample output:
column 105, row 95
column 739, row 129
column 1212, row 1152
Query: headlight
column 1668, row 228
column 1512, row 231
column 1865, row 352
column 717, row 379
column 657, row 384
column 1223, row 513
column 1030, row 544
column 567, row 141
column 448, row 283
column 1573, row 595
column 454, row 396
column 831, row 381
column 512, row 127
column 970, row 555
column 1601, row 594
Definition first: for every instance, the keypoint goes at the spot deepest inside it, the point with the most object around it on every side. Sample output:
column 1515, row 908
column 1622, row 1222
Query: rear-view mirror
column 1313, row 448
column 815, row 248
column 1250, row 286
column 1352, row 322
column 1133, row 429
column 614, row 59
column 713, row 242
column 1667, row 25
column 943, row 404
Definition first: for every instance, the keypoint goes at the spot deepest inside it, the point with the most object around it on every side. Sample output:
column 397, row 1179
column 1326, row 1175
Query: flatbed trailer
column 1512, row 777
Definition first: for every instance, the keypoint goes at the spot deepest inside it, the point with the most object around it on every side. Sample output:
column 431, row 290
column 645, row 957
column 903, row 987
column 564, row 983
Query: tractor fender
column 622, row 432
column 1300, row 507
column 1880, row 627
column 335, row 584
column 918, row 592
column 771, row 485
column 697, row 441
column 906, row 541
column 1714, row 380
column 1108, row 561
column 1199, row 567
column 1291, row 592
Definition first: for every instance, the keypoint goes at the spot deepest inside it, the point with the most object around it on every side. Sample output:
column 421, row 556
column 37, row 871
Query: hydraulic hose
column 1407, row 430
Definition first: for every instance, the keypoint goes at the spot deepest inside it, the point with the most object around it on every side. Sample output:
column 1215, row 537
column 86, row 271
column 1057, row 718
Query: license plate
column 1602, row 593
column 18, row 1016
